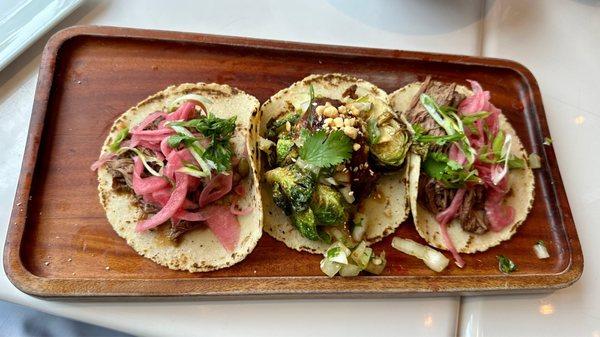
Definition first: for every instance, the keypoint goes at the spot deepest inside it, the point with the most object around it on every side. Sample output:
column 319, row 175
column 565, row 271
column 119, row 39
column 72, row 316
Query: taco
column 333, row 163
column 177, row 177
column 470, row 184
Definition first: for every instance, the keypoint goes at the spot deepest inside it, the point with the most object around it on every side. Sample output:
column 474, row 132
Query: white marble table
column 558, row 41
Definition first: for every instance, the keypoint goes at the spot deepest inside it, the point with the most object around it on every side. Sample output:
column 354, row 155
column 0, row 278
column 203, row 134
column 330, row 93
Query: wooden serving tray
column 59, row 242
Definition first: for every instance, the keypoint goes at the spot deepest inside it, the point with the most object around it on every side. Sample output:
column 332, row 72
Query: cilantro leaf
column 212, row 126
column 177, row 139
column 116, row 144
column 324, row 150
column 453, row 175
column 220, row 153
column 506, row 265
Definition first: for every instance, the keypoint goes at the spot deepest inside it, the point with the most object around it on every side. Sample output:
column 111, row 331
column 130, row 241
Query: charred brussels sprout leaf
column 286, row 150
column 277, row 126
column 392, row 144
column 294, row 187
column 306, row 224
column 329, row 206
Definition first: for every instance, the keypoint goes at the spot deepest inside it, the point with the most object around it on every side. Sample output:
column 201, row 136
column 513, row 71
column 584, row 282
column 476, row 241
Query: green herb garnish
column 116, row 144
column 449, row 172
column 547, row 141
column 211, row 126
column 220, row 153
column 324, row 150
column 177, row 139
column 506, row 265
column 451, row 123
column 420, row 136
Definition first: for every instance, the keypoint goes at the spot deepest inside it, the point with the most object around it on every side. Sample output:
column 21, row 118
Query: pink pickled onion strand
column 193, row 216
column 240, row 212
column 224, row 225
column 102, row 160
column 498, row 214
column 161, row 197
column 164, row 147
column 157, row 132
column 182, row 113
column 444, row 217
column 174, row 203
column 217, row 187
column 456, row 154
column 147, row 185
column 148, row 120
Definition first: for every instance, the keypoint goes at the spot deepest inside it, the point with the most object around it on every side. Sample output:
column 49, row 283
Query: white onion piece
column 541, row 251
column 435, row 260
column 349, row 270
column 330, row 268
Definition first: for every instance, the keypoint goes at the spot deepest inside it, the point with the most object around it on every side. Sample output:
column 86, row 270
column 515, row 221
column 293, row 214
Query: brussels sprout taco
column 469, row 182
column 333, row 163
column 177, row 177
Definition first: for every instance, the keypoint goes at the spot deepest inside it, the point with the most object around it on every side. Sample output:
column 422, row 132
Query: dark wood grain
column 60, row 244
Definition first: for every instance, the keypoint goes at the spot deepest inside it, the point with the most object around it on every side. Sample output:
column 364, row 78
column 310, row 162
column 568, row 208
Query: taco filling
column 466, row 159
column 324, row 155
column 181, row 166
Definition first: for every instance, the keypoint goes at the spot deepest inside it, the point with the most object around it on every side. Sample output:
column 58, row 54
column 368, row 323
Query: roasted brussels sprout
column 277, row 126
column 329, row 206
column 387, row 136
column 286, row 150
column 292, row 187
column 306, row 224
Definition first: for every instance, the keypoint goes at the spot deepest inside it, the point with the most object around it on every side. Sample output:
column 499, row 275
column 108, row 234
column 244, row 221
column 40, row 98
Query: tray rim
column 276, row 286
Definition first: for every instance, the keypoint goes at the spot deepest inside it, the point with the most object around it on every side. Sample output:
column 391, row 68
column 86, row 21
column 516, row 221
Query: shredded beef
column 471, row 214
column 443, row 94
column 434, row 195
column 436, row 198
column 181, row 227
column 121, row 169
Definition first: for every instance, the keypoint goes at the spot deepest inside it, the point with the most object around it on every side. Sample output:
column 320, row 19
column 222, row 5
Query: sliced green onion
column 506, row 265
column 196, row 150
column 535, row 162
column 116, row 144
column 451, row 123
column 433, row 259
column 505, row 153
column 192, row 170
column 547, row 141
column 144, row 160
column 194, row 97
column 540, row 250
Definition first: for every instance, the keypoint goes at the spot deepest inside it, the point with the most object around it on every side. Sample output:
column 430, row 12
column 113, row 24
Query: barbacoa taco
column 333, row 163
column 469, row 182
column 177, row 177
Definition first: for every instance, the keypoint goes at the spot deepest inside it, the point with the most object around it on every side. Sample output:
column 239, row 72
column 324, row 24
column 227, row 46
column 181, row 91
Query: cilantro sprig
column 449, row 172
column 218, row 130
column 325, row 150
